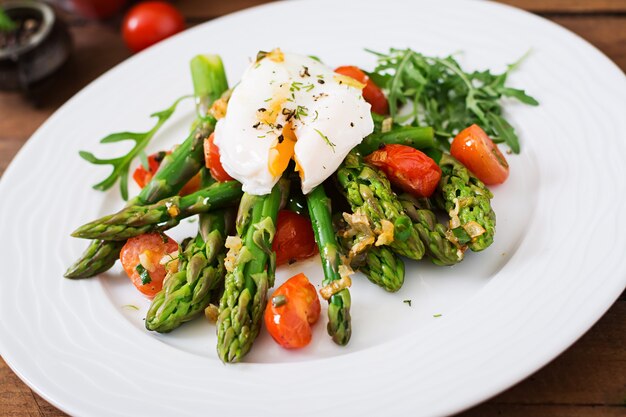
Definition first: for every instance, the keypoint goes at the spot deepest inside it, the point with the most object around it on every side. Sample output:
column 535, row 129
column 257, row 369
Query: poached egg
column 289, row 106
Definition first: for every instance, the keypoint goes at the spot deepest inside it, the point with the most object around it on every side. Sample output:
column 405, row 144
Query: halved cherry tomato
column 212, row 160
column 142, row 176
column 141, row 256
column 294, row 238
column 407, row 168
column 291, row 311
column 150, row 22
column 474, row 149
column 371, row 93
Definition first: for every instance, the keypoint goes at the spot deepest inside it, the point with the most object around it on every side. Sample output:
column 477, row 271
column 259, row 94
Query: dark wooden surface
column 588, row 380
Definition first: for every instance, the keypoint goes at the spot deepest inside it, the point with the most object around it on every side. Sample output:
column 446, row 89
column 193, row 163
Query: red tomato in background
column 150, row 22
column 407, row 168
column 371, row 93
column 290, row 323
column 294, row 239
column 212, row 160
column 143, row 176
column 154, row 246
column 98, row 9
column 474, row 149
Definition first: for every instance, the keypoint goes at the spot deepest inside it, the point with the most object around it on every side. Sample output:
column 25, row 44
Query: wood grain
column 589, row 379
column 569, row 6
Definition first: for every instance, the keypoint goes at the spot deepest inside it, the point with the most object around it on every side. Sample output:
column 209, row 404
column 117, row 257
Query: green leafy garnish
column 143, row 274
column 6, row 23
column 445, row 97
column 328, row 142
column 121, row 164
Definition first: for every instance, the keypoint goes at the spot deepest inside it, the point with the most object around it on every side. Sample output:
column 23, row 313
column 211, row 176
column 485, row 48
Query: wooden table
column 588, row 380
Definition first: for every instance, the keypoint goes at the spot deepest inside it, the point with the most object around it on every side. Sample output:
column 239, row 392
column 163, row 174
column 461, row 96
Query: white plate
column 556, row 266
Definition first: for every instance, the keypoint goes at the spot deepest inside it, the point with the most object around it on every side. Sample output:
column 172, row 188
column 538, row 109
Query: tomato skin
column 143, row 176
column 212, row 160
column 294, row 239
column 371, row 93
column 155, row 246
column 474, row 149
column 407, row 168
column 150, row 22
column 290, row 324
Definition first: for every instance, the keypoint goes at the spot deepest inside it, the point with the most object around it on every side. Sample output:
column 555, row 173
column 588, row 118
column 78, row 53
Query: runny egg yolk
column 281, row 151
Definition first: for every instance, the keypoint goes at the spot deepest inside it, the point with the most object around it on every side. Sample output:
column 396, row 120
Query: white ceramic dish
column 472, row 330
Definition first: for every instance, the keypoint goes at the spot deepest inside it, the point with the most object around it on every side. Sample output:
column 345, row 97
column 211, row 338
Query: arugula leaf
column 121, row 164
column 444, row 96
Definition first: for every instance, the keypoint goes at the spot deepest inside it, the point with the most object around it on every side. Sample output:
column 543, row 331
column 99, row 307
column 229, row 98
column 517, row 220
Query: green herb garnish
column 328, row 142
column 143, row 274
column 446, row 97
column 408, row 302
column 121, row 164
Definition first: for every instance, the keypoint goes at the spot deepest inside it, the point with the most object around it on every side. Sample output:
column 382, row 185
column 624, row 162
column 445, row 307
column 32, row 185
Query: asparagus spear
column 378, row 263
column 136, row 220
column 251, row 275
column 415, row 137
column 467, row 201
column 339, row 327
column 176, row 169
column 435, row 236
column 187, row 292
column 384, row 268
column 368, row 191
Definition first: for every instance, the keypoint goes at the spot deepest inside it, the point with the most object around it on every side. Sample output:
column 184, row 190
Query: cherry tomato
column 371, row 93
column 474, row 149
column 212, row 160
column 141, row 256
column 294, row 239
column 291, row 311
column 143, row 176
column 407, row 168
column 150, row 22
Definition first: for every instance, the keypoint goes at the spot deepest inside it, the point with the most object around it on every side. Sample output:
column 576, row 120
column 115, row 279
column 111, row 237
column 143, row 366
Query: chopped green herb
column 328, row 142
column 437, row 315
column 143, row 274
column 279, row 300
column 301, row 111
column 407, row 302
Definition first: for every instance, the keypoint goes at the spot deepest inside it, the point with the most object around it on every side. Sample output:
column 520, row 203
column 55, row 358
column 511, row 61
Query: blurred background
column 48, row 54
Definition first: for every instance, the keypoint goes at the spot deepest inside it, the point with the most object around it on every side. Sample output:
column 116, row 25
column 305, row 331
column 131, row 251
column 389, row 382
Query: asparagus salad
column 300, row 160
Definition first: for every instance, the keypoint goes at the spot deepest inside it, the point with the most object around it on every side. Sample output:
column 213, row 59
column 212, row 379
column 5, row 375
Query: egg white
column 329, row 117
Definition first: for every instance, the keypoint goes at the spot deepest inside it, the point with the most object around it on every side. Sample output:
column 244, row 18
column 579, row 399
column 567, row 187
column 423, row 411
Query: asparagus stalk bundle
column 468, row 203
column 369, row 192
column 384, row 268
column 209, row 80
column 378, row 263
column 136, row 220
column 436, row 237
column 339, row 326
column 188, row 291
column 249, row 275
